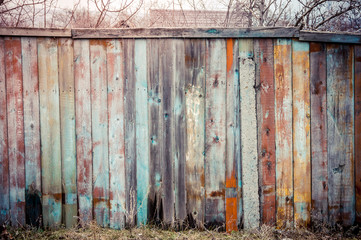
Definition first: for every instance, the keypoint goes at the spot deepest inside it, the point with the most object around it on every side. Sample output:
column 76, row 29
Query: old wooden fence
column 206, row 127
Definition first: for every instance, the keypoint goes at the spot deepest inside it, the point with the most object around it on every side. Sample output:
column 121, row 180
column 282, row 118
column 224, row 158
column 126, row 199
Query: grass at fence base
column 150, row 232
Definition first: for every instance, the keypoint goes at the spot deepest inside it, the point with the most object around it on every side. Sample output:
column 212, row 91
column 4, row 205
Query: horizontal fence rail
column 210, row 132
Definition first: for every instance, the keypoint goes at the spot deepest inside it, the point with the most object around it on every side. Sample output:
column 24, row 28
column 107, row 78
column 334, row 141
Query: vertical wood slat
column 357, row 68
column 233, row 137
column 167, row 66
column 4, row 159
column 340, row 129
column 301, row 132
column 98, row 82
column 67, row 130
column 129, row 131
column 215, row 132
column 31, row 130
column 155, row 91
column 142, row 131
column 50, row 131
column 15, row 117
column 283, row 123
column 83, row 130
column 179, row 130
column 266, row 129
column 247, row 69
column 319, row 131
column 195, row 60
column 115, row 76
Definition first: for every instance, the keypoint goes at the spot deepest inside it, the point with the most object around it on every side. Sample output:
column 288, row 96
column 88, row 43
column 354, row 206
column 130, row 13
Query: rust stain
column 315, row 47
column 220, row 193
column 231, row 215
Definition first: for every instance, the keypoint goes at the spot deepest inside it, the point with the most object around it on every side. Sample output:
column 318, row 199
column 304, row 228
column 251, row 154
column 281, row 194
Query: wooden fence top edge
column 340, row 37
column 138, row 33
column 35, row 32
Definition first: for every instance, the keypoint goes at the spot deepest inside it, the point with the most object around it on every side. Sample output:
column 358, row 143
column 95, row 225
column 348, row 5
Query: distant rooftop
column 192, row 18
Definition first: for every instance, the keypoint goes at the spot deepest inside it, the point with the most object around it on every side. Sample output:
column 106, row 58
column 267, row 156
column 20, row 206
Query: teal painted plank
column 67, row 123
column 4, row 159
column 83, row 130
column 98, row 81
column 50, row 131
column 155, row 91
column 301, row 133
column 340, row 134
column 31, row 130
column 215, row 153
column 130, row 144
column 142, row 131
column 115, row 76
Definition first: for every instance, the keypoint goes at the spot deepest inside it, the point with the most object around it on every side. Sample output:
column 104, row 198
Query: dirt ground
column 95, row 232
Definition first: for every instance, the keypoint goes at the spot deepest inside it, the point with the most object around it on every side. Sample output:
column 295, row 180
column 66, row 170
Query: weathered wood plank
column 357, row 80
column 15, row 117
column 4, row 157
column 142, row 131
column 115, row 77
column 266, row 129
column 340, row 131
column 233, row 148
column 319, row 131
column 31, row 130
column 195, row 60
column 83, row 130
column 98, row 83
column 179, row 131
column 167, row 67
column 317, row 36
column 255, row 32
column 67, row 130
column 301, row 132
column 215, row 132
column 251, row 216
column 155, row 91
column 35, row 32
column 177, row 53
column 50, row 131
column 283, row 123
column 130, row 139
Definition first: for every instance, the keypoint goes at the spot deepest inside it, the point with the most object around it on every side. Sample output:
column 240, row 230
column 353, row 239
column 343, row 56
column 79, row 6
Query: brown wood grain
column 319, row 131
column 266, row 129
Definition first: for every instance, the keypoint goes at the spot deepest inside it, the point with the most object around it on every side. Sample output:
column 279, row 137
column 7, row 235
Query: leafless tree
column 329, row 15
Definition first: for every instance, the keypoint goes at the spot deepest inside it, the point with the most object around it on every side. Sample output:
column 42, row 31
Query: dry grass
column 95, row 232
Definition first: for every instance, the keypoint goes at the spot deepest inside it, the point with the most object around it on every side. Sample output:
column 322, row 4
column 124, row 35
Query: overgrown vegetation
column 93, row 231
